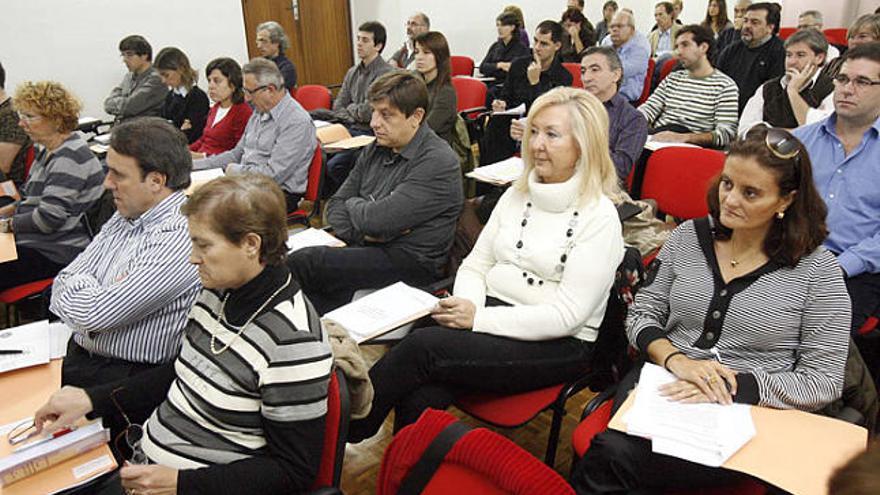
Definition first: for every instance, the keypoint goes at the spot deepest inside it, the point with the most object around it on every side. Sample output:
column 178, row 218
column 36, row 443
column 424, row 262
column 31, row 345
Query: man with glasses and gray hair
column 279, row 139
column 405, row 56
column 141, row 92
column 843, row 149
column 634, row 51
column 272, row 42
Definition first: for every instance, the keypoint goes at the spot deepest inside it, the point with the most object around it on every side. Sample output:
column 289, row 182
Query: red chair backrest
column 461, row 65
column 482, row 461
column 678, row 178
column 316, row 174
column 313, row 97
column 29, row 161
column 335, row 428
column 469, row 92
column 836, row 36
column 667, row 68
column 646, row 89
column 575, row 70
column 785, row 32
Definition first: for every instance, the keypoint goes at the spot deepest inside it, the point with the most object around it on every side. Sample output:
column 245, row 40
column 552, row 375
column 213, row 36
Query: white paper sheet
column 32, row 338
column 516, row 111
column 499, row 173
column 311, row 237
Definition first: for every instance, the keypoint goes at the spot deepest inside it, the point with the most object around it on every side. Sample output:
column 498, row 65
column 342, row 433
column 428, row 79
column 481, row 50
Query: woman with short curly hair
column 64, row 181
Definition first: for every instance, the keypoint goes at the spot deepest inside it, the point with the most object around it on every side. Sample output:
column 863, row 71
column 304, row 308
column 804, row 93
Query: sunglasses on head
column 779, row 141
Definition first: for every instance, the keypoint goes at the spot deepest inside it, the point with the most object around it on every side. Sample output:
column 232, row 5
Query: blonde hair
column 50, row 100
column 589, row 128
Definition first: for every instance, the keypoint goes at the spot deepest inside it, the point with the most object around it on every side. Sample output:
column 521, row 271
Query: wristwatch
column 5, row 225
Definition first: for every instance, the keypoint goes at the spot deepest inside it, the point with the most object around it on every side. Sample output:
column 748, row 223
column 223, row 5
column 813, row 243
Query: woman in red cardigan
column 230, row 113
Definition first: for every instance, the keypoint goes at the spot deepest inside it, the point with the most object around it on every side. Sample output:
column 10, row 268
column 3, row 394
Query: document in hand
column 500, row 173
column 382, row 311
column 311, row 237
column 515, row 111
column 33, row 342
column 707, row 434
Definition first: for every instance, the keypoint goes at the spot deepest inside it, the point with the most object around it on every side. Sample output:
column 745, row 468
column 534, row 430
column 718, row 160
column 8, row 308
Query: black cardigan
column 194, row 107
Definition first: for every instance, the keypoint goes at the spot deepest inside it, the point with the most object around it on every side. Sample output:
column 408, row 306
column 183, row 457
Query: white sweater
column 556, row 304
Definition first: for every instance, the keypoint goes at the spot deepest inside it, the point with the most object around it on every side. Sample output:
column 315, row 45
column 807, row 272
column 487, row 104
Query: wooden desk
column 7, row 247
column 24, row 391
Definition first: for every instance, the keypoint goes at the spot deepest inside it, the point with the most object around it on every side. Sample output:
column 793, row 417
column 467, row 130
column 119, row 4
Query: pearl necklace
column 569, row 234
column 222, row 321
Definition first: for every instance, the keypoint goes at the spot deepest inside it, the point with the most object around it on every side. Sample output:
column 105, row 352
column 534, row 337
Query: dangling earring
column 780, row 215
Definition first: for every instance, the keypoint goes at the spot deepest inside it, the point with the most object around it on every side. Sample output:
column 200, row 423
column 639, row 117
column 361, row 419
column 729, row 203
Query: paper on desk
column 321, row 123
column 32, row 338
column 199, row 178
column 382, row 311
column 351, row 143
column 59, row 336
column 499, row 173
column 311, row 237
column 517, row 111
column 102, row 139
column 652, row 145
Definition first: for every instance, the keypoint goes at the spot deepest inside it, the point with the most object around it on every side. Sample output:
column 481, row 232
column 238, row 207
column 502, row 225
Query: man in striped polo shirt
column 127, row 296
column 697, row 105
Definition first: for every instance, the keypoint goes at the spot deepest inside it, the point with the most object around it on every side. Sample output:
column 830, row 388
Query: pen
column 4, row 352
column 717, row 354
column 59, row 433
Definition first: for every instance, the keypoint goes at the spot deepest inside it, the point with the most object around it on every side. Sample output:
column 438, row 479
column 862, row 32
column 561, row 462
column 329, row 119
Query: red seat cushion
column 14, row 294
column 508, row 410
column 591, row 426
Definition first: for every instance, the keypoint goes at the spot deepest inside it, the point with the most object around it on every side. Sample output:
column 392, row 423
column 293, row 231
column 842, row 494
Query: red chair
column 785, row 32
column 313, row 97
column 646, row 89
column 29, row 161
column 575, row 70
column 313, row 189
column 836, row 36
column 461, row 65
column 667, row 68
column 678, row 179
column 482, row 461
column 470, row 94
column 335, row 432
column 14, row 295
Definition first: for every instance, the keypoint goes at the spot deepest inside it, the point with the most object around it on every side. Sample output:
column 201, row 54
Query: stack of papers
column 382, row 311
column 311, row 237
column 500, row 173
column 707, row 434
column 38, row 342
column 652, row 145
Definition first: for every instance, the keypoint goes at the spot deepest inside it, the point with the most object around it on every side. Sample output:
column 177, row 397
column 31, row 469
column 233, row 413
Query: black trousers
column 292, row 200
column 864, row 292
column 431, row 365
column 29, row 267
column 331, row 276
column 496, row 143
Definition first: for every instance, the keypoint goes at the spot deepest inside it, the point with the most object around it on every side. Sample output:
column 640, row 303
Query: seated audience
column 279, row 139
column 865, row 30
column 634, row 51
column 577, row 35
column 662, row 38
column 716, row 17
column 141, row 92
column 501, row 54
column 126, row 297
column 844, row 148
column 272, row 42
column 759, row 55
column 186, row 106
column 732, row 34
column 521, row 33
column 677, row 6
column 696, row 105
column 65, row 180
column 432, row 63
column 251, row 419
column 812, row 19
column 751, row 287
column 531, row 295
column 404, row 57
column 14, row 142
column 785, row 101
column 601, row 74
column 608, row 11
column 351, row 107
column 228, row 117
column 398, row 209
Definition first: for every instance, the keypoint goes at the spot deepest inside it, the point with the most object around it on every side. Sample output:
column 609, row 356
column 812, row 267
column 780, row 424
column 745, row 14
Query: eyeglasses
column 22, row 432
column 133, row 434
column 28, row 117
column 252, row 92
column 859, row 83
column 128, row 54
column 781, row 143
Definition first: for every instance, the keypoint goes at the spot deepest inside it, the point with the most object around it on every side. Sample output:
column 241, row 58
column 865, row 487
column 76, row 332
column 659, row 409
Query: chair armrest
column 598, row 400
column 327, row 490
column 468, row 111
column 851, row 415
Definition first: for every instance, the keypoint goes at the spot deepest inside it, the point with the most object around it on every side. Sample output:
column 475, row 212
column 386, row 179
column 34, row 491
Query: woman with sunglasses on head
column 242, row 409
column 746, row 306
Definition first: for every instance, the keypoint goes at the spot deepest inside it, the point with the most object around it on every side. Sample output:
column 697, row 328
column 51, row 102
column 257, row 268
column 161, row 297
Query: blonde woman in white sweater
column 530, row 297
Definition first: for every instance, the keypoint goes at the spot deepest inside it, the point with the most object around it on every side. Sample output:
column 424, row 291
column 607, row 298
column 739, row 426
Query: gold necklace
column 733, row 261
column 222, row 321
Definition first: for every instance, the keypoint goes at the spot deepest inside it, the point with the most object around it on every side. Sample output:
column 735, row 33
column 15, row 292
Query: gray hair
column 611, row 57
column 265, row 71
column 815, row 14
column 276, row 34
column 628, row 14
column 810, row 37
column 424, row 19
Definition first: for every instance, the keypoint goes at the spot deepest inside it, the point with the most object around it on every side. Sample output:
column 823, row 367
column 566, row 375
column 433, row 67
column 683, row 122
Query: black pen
column 10, row 351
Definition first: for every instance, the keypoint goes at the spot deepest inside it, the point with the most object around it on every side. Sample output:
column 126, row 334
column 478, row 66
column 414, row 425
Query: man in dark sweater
column 396, row 211
column 759, row 54
column 272, row 42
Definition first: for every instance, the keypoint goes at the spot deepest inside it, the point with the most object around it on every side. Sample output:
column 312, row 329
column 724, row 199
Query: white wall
column 75, row 41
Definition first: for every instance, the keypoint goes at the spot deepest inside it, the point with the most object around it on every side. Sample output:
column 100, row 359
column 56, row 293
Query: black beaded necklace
column 569, row 234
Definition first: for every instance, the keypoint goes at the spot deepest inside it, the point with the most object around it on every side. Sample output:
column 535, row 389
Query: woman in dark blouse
column 578, row 36
column 496, row 63
column 432, row 62
column 186, row 106
column 746, row 306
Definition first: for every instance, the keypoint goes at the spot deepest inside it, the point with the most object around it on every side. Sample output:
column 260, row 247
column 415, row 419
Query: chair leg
column 553, row 436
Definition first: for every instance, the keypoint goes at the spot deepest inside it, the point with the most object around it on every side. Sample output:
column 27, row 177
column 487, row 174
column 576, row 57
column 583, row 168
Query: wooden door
column 319, row 31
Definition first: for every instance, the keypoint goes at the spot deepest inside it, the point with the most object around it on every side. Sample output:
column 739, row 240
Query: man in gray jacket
column 141, row 92
column 398, row 209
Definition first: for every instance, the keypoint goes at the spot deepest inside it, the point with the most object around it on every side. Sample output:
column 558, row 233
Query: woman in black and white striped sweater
column 746, row 306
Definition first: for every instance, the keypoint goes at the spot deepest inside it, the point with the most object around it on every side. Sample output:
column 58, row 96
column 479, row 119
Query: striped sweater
column 783, row 330
column 220, row 408
column 706, row 104
column 62, row 186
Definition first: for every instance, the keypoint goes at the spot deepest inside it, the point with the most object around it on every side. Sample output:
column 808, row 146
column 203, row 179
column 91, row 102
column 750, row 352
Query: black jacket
column 194, row 107
column 517, row 88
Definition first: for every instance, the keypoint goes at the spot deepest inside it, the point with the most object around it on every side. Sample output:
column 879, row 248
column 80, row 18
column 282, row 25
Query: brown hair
column 435, row 43
column 51, row 101
column 237, row 205
column 859, row 476
column 171, row 58
column 802, row 229
column 403, row 90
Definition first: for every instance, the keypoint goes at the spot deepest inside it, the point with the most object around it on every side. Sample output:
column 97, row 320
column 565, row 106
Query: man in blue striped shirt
column 127, row 296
